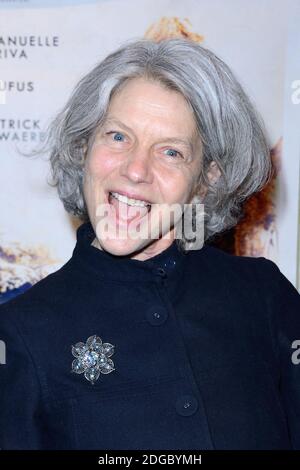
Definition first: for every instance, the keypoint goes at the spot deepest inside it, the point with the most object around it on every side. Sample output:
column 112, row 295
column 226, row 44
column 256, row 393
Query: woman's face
column 149, row 150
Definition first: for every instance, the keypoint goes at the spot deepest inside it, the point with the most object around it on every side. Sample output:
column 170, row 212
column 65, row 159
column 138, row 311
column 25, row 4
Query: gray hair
column 231, row 130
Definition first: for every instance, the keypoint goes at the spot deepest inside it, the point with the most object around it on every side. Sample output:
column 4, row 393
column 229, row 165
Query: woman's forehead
column 148, row 105
column 143, row 91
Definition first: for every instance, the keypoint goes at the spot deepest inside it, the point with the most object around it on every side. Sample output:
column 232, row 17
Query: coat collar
column 166, row 265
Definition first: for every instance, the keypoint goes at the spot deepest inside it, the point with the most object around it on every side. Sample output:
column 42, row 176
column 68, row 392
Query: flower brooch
column 92, row 358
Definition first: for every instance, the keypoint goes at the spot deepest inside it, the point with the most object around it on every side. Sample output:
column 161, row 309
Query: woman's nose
column 137, row 166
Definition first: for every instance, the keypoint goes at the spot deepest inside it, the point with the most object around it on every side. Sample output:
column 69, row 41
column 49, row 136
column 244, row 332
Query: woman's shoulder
column 258, row 274
column 37, row 302
column 246, row 266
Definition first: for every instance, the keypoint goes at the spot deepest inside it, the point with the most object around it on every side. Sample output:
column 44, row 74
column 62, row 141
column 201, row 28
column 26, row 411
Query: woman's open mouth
column 127, row 209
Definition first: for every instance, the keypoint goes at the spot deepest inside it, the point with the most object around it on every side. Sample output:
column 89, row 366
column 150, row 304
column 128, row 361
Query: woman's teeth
column 130, row 201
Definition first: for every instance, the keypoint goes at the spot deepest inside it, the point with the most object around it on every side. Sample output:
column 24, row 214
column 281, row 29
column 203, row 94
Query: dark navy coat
column 202, row 354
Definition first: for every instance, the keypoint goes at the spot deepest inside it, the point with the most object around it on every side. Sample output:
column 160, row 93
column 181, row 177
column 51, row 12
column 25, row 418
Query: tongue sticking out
column 127, row 213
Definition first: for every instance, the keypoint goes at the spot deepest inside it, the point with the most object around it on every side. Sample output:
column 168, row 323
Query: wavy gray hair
column 231, row 130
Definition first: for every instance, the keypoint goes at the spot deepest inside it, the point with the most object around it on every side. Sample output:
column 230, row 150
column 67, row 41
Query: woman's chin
column 123, row 247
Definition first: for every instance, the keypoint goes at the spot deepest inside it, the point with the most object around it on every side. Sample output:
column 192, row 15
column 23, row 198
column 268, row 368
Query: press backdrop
column 46, row 46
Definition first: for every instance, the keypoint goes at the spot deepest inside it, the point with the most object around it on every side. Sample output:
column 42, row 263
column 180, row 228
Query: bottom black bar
column 131, row 458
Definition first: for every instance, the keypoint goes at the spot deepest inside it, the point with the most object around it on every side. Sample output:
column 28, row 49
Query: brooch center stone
column 92, row 358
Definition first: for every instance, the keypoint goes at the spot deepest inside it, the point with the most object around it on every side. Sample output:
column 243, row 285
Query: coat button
column 186, row 405
column 156, row 315
column 161, row 272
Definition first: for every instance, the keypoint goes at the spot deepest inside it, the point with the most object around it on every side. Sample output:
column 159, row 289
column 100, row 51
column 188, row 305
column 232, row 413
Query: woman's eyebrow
column 174, row 140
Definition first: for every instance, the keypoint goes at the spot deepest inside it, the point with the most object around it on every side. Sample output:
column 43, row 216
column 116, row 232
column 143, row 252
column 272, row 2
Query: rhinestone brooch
column 92, row 358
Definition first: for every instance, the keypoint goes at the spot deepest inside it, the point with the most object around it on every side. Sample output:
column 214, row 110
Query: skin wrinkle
column 188, row 143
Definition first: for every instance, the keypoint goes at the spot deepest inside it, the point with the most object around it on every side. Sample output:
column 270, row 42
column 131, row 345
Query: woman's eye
column 173, row 153
column 117, row 136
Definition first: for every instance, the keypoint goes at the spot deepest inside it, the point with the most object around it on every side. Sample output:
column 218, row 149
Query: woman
column 141, row 341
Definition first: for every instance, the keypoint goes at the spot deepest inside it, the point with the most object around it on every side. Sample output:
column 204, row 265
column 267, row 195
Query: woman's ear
column 213, row 173
column 85, row 148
